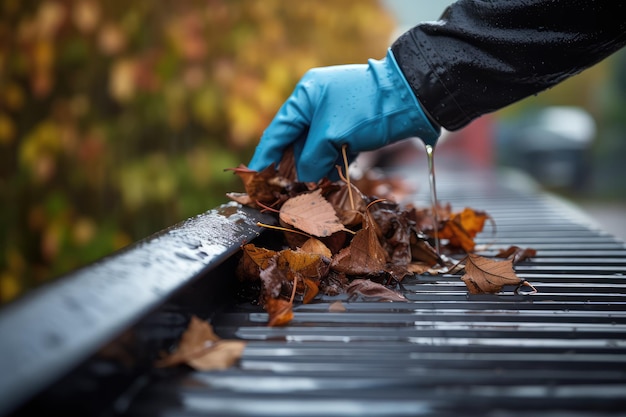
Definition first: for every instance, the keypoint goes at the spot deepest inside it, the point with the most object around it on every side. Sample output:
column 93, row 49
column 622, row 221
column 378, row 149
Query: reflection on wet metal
column 560, row 352
column 52, row 329
column 444, row 352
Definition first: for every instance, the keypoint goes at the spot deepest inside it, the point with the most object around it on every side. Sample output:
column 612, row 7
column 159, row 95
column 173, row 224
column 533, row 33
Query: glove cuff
column 428, row 132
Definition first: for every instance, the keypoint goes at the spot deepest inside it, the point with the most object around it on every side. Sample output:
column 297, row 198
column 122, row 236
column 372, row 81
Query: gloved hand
column 365, row 106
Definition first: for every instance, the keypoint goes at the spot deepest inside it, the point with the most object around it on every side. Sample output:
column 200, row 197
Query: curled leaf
column 371, row 290
column 202, row 349
column 280, row 311
column 516, row 254
column 260, row 186
column 462, row 228
column 487, row 276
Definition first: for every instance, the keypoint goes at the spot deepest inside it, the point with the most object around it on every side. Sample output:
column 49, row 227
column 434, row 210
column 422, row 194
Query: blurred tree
column 610, row 148
column 118, row 118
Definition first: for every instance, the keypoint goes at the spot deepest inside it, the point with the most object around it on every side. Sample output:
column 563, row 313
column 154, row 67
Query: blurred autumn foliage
column 117, row 118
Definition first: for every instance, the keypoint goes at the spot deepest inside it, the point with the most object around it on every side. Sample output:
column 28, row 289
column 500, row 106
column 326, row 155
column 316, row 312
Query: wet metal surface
column 54, row 328
column 560, row 352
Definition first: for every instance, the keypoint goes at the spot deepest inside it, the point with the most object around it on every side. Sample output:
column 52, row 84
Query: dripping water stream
column 430, row 153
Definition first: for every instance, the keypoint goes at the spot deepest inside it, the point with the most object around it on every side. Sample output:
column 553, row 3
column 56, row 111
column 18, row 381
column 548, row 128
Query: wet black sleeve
column 483, row 55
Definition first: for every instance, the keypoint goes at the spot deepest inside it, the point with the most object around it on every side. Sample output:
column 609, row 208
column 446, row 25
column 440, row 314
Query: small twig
column 265, row 207
column 347, row 178
column 379, row 200
column 293, row 291
column 525, row 283
column 283, row 229
column 458, row 263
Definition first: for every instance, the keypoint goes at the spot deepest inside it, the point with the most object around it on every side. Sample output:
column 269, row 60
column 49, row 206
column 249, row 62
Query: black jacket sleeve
column 483, row 55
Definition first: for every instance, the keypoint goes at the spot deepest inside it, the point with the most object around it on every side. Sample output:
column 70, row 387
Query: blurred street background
column 570, row 139
column 118, row 118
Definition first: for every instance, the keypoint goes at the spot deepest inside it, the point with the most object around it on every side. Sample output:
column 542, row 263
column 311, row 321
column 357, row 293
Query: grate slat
column 444, row 352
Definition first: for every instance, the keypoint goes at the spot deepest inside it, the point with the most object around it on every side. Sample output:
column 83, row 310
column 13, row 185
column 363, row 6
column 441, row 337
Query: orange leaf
column 310, row 291
column 253, row 260
column 457, row 235
column 308, row 265
column 316, row 246
column 280, row 311
column 473, row 221
column 311, row 213
column 463, row 227
column 260, row 256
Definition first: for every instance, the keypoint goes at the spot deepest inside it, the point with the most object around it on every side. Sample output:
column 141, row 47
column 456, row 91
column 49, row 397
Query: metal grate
column 560, row 352
column 86, row 346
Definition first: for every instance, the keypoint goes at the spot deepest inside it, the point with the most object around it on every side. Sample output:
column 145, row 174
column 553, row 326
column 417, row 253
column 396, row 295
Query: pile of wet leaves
column 331, row 238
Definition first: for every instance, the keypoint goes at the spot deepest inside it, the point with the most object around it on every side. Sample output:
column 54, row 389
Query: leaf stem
column 378, row 200
column 266, row 207
column 460, row 262
column 283, row 229
column 293, row 291
column 347, row 178
column 527, row 284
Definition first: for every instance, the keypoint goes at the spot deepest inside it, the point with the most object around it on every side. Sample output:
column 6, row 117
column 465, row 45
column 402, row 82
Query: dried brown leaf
column 363, row 256
column 488, row 276
column 311, row 213
column 273, row 278
column 516, row 254
column 202, row 349
column 241, row 198
column 222, row 355
column 418, row 267
column 382, row 186
column 422, row 251
column 394, row 231
column 287, row 165
column 337, row 307
column 316, row 246
column 260, row 186
column 349, row 206
column 370, row 290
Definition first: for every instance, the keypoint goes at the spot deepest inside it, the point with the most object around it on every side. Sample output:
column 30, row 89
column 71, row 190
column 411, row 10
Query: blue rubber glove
column 365, row 106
